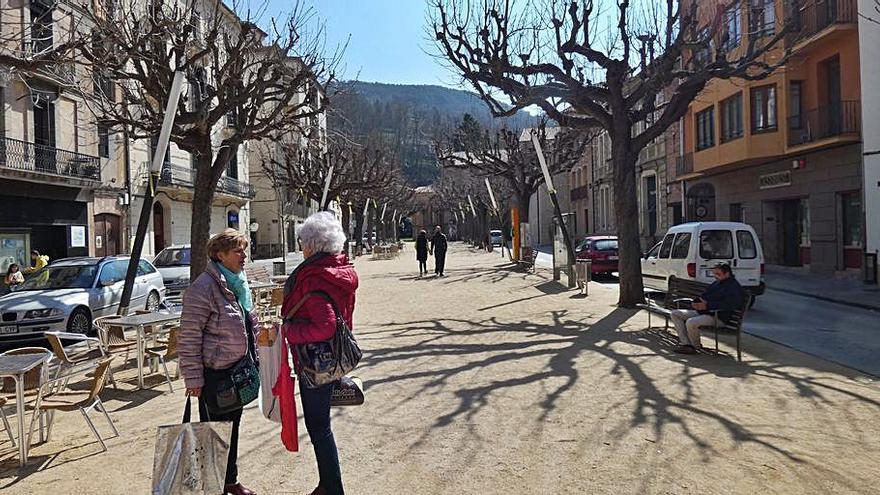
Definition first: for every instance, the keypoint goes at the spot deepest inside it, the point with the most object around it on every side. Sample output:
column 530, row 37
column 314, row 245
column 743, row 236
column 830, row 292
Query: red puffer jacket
column 316, row 321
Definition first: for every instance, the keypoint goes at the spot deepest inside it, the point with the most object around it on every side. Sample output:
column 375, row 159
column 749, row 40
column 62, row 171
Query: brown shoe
column 238, row 489
column 685, row 349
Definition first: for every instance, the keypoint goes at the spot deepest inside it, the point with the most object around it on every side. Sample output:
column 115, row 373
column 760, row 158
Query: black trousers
column 316, row 410
column 235, row 417
column 423, row 266
column 439, row 262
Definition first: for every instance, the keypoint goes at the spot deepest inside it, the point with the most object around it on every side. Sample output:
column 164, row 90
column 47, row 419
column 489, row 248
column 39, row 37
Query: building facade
column 784, row 154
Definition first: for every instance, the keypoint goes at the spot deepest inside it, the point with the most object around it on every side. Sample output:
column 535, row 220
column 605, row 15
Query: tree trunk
column 346, row 226
column 358, row 229
column 207, row 177
column 626, row 217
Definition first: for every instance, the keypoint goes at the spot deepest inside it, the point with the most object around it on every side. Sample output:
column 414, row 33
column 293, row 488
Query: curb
column 869, row 307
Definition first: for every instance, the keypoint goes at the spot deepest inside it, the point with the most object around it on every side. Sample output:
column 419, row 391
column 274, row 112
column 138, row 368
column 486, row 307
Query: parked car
column 690, row 250
column 173, row 263
column 67, row 294
column 602, row 251
column 496, row 237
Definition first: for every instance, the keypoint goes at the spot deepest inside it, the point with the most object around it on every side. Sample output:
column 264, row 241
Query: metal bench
column 682, row 292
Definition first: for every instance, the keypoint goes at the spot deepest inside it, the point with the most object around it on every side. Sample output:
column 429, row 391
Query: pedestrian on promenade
column 325, row 269
column 213, row 331
column 422, row 252
column 725, row 295
column 438, row 249
column 39, row 260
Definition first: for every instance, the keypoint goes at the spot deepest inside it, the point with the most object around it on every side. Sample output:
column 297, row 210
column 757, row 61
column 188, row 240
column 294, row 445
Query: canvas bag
column 270, row 367
column 190, row 457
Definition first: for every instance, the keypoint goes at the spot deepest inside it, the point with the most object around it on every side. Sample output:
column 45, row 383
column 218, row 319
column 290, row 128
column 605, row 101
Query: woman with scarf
column 213, row 331
column 325, row 269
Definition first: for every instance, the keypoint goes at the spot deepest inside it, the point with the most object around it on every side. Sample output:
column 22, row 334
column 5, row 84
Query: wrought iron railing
column 815, row 15
column 579, row 193
column 684, row 164
column 176, row 175
column 30, row 157
column 836, row 119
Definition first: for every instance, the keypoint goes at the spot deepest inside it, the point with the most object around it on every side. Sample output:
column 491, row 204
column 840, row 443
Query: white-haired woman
column 325, row 269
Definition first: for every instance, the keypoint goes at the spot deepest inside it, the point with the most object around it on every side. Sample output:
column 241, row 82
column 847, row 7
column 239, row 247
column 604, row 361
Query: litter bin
column 584, row 272
column 279, row 268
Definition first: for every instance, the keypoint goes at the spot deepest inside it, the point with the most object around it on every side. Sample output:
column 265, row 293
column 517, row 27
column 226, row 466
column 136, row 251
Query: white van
column 690, row 250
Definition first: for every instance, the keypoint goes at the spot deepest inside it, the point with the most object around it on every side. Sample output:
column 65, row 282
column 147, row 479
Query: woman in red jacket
column 325, row 269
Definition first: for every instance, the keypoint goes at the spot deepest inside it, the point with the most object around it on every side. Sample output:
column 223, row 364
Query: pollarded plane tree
column 592, row 65
column 243, row 84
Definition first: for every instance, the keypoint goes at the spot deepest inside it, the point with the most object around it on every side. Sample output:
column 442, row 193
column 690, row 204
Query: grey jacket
column 212, row 330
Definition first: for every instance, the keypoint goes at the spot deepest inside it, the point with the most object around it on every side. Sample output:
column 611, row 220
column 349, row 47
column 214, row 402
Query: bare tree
column 244, row 84
column 47, row 41
column 591, row 65
column 510, row 156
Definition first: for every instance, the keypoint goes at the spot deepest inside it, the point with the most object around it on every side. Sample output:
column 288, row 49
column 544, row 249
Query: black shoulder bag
column 236, row 386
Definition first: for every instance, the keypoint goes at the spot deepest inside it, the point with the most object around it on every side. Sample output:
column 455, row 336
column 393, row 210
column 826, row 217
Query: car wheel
column 152, row 302
column 80, row 321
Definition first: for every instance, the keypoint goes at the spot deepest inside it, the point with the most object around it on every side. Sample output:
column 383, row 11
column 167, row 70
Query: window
column 732, row 118
column 154, row 144
column 145, row 268
column 736, row 212
column 703, row 56
column 681, row 246
column 746, row 244
column 652, row 254
column 103, row 86
column 604, row 208
column 586, row 220
column 666, row 247
column 795, row 105
column 103, row 141
column 605, row 245
column 706, row 129
column 804, row 217
column 762, row 17
column 232, row 168
column 113, row 272
column 852, row 219
column 764, row 109
column 677, row 216
column 41, row 27
column 733, row 27
column 651, row 204
column 716, row 244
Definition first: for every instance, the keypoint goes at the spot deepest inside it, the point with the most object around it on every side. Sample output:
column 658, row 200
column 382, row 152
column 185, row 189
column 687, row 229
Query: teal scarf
column 238, row 284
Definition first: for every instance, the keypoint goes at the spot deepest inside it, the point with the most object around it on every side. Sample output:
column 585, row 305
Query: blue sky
column 387, row 39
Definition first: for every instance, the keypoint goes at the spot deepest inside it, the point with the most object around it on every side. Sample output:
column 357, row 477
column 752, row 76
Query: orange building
column 784, row 154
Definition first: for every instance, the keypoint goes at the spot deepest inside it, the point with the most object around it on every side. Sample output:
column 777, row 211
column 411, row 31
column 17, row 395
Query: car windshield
column 606, row 245
column 173, row 257
column 62, row 277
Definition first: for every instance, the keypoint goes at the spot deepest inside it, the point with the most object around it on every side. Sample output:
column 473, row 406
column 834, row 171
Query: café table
column 16, row 367
column 139, row 323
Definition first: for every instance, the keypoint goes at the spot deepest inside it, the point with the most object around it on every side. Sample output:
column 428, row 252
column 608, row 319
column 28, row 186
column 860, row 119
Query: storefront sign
column 77, row 236
column 778, row 179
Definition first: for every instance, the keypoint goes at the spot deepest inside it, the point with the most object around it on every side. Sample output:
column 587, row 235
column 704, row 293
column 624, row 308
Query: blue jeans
column 316, row 409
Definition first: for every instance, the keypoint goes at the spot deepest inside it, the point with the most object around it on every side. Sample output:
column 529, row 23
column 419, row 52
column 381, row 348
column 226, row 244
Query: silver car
column 66, row 295
column 173, row 263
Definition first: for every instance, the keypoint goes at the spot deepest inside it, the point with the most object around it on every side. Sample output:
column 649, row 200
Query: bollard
column 584, row 270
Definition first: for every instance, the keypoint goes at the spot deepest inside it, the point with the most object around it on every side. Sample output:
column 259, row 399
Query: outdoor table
column 139, row 322
column 15, row 367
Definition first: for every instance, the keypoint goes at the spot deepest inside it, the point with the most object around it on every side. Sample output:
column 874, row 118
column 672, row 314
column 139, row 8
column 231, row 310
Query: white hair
column 321, row 233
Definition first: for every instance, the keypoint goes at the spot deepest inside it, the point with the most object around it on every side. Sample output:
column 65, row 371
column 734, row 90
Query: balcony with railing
column 48, row 160
column 815, row 16
column 684, row 164
column 180, row 176
column 842, row 119
column 579, row 193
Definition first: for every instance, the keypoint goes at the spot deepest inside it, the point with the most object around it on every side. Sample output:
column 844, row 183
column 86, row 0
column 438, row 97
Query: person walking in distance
column 438, row 249
column 422, row 252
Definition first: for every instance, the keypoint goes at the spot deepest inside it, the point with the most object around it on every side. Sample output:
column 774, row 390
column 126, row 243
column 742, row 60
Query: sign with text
column 778, row 179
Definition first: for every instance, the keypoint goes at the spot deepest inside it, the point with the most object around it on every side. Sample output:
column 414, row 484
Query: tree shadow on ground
column 567, row 344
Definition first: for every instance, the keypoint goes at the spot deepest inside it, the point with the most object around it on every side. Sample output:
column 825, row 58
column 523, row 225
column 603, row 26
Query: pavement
column 496, row 381
column 844, row 291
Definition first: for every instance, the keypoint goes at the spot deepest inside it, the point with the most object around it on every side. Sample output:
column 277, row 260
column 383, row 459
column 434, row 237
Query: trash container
column 279, row 268
column 584, row 271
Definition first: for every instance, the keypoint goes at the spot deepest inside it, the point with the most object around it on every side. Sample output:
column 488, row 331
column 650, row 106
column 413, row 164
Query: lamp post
column 552, row 191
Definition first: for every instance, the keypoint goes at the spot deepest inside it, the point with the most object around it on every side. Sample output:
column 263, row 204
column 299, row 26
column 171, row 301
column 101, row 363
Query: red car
column 602, row 250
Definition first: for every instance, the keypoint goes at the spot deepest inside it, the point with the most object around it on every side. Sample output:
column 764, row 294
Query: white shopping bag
column 270, row 364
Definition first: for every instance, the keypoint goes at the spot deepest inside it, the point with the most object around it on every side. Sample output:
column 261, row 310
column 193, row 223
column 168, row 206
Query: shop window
column 852, row 219
column 764, row 109
column 706, row 129
column 732, row 118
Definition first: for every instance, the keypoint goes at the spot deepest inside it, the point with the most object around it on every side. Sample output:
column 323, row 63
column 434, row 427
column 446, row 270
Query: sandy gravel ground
column 492, row 381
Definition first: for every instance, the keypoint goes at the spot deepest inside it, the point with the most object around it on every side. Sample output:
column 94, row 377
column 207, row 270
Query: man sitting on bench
column 725, row 295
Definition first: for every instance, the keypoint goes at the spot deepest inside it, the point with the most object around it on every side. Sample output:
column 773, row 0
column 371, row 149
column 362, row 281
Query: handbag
column 270, row 367
column 234, row 387
column 348, row 391
column 321, row 363
column 191, row 458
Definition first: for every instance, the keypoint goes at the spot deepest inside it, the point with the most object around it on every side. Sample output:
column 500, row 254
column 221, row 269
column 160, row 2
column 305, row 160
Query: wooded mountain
column 408, row 119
